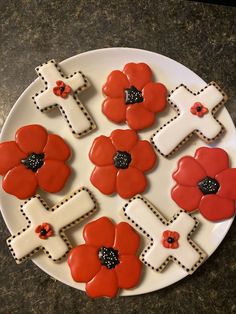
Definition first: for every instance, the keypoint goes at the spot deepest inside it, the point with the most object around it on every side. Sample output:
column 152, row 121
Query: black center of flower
column 33, row 161
column 108, row 257
column 209, row 185
column 132, row 95
column 170, row 240
column 199, row 109
column 43, row 232
column 122, row 160
column 62, row 88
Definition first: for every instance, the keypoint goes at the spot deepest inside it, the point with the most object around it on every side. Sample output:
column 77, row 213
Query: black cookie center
column 33, row 161
column 170, row 240
column 122, row 160
column 43, row 232
column 133, row 95
column 62, row 88
column 109, row 257
column 209, row 185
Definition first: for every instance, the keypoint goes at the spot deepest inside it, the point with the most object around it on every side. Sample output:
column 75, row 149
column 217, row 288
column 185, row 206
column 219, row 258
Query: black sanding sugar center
column 122, row 160
column 109, row 257
column 133, row 95
column 33, row 161
column 209, row 185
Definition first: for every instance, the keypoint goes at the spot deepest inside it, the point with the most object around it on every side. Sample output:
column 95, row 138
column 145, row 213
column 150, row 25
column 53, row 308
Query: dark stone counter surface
column 199, row 35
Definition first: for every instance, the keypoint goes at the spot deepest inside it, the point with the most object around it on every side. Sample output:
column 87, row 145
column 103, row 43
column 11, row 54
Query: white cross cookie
column 62, row 91
column 196, row 114
column 35, row 236
column 169, row 240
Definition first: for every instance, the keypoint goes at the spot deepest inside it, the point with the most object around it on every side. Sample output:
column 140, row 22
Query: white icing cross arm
column 35, row 236
column 196, row 114
column 169, row 240
column 62, row 91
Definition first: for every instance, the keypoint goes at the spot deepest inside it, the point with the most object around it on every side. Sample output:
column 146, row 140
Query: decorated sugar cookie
column 196, row 114
column 121, row 161
column 35, row 159
column 133, row 97
column 168, row 240
column 107, row 261
column 62, row 91
column 45, row 227
column 207, row 183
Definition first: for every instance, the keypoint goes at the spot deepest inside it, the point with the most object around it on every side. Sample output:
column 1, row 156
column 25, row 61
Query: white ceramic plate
column 96, row 65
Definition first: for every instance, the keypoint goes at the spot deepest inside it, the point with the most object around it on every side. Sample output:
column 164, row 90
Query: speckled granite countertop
column 202, row 37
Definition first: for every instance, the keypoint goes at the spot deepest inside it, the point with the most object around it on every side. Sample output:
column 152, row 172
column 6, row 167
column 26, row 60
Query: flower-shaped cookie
column 121, row 161
column 133, row 97
column 34, row 159
column 107, row 261
column 206, row 182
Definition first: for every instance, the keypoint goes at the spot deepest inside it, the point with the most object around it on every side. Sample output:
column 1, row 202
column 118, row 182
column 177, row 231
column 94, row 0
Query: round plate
column 97, row 65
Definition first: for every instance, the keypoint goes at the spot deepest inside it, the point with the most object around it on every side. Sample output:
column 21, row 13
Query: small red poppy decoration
column 61, row 89
column 170, row 239
column 198, row 109
column 44, row 230
column 133, row 97
column 121, row 160
column 107, row 261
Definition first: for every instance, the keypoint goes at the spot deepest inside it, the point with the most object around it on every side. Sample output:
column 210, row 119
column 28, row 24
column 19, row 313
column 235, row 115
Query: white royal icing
column 168, row 137
column 78, row 119
column 146, row 218
column 70, row 211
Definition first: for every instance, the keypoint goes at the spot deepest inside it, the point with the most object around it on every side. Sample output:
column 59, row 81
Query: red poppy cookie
column 35, row 159
column 121, row 160
column 207, row 183
column 133, row 97
column 107, row 261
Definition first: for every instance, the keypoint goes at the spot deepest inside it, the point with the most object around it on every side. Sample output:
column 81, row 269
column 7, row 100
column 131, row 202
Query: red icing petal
column 175, row 235
column 84, row 262
column 138, row 74
column 104, row 284
column 227, row 181
column 213, row 160
column 186, row 197
column 20, row 182
column 138, row 117
column 166, row 244
column 128, row 271
column 175, row 245
column 130, row 181
column 56, row 148
column 166, row 234
column 189, row 172
column 53, row 175
column 60, row 83
column 31, row 138
column 57, row 91
column 104, row 179
column 10, row 156
column 38, row 229
column 215, row 208
column 67, row 89
column 45, row 226
column 143, row 156
column 102, row 151
column 127, row 239
column 115, row 85
column 124, row 140
column 154, row 95
column 114, row 109
column 50, row 233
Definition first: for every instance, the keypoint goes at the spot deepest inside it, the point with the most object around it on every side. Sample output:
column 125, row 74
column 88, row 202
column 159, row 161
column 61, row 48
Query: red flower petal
column 138, row 74
column 49, row 233
column 10, row 156
column 138, row 117
column 104, row 284
column 227, row 181
column 166, row 234
column 53, row 175
column 38, row 229
column 175, row 235
column 128, row 271
column 57, row 91
column 124, row 140
column 175, row 245
column 60, row 83
column 143, row 156
column 114, row 109
column 186, row 197
column 130, row 181
column 67, row 89
column 166, row 244
column 216, row 208
column 189, row 172
column 154, row 95
column 84, row 262
column 116, row 84
column 45, row 226
column 31, row 138
column 127, row 239
column 43, row 237
column 213, row 160
column 102, row 151
column 56, row 148
column 99, row 233
column 104, row 179
column 20, row 182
